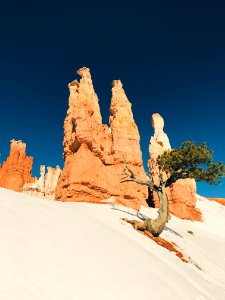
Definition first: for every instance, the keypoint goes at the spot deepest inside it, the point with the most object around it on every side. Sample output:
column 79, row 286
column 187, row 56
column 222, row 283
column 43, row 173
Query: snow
column 65, row 251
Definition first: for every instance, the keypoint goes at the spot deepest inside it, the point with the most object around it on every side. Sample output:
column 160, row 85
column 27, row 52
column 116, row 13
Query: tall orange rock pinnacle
column 83, row 123
column 125, row 135
column 94, row 154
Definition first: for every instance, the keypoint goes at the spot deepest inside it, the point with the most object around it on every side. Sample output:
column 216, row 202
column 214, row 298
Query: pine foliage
column 191, row 161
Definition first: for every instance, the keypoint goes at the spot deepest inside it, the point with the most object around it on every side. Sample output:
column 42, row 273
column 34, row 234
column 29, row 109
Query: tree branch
column 130, row 176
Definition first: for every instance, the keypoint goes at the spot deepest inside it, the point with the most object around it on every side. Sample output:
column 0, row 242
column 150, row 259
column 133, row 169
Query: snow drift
column 64, row 251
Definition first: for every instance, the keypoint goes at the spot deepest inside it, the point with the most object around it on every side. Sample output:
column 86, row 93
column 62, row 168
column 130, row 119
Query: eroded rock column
column 94, row 154
column 45, row 186
column 181, row 194
column 17, row 169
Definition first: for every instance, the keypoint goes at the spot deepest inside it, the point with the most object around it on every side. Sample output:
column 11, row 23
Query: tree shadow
column 136, row 214
column 172, row 231
column 143, row 217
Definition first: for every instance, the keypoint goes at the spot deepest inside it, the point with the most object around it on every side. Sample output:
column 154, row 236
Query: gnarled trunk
column 156, row 226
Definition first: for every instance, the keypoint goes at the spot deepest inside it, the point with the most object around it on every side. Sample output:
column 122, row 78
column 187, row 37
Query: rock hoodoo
column 181, row 194
column 45, row 186
column 126, row 138
column 16, row 170
column 94, row 154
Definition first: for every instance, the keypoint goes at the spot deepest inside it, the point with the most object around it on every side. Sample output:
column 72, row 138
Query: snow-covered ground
column 79, row 251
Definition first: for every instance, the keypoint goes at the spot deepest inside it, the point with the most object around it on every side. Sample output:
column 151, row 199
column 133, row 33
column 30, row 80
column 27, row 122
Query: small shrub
column 190, row 232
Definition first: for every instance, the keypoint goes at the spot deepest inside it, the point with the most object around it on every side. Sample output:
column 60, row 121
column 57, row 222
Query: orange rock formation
column 94, row 154
column 218, row 200
column 181, row 194
column 16, row 170
column 45, row 186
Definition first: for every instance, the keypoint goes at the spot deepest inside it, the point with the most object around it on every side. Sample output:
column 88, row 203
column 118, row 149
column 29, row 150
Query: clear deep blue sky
column 170, row 56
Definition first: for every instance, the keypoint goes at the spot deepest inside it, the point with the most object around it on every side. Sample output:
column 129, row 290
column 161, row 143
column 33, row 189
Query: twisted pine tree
column 189, row 161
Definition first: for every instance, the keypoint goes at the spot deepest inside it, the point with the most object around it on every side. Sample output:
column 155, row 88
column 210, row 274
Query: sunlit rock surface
column 45, row 186
column 16, row 170
column 181, row 194
column 94, row 154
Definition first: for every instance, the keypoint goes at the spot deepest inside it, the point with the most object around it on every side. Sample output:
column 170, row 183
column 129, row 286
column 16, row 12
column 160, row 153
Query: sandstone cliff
column 181, row 194
column 94, row 154
column 16, row 170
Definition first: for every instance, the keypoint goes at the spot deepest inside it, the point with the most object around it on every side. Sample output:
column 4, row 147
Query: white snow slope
column 65, row 251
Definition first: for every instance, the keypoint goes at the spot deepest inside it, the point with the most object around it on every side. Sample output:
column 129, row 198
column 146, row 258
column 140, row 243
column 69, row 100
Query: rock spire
column 181, row 194
column 45, row 186
column 94, row 154
column 16, row 170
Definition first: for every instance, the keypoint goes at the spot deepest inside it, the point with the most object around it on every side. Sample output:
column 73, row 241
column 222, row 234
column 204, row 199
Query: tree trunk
column 155, row 227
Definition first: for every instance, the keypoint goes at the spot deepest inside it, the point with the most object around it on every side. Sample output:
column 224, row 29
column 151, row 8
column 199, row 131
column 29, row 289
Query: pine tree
column 189, row 161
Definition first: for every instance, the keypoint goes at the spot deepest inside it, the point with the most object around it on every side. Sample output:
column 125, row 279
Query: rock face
column 94, row 154
column 181, row 194
column 51, row 180
column 125, row 135
column 159, row 143
column 16, row 170
column 45, row 186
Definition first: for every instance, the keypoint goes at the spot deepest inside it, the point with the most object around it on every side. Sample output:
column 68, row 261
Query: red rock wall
column 16, row 170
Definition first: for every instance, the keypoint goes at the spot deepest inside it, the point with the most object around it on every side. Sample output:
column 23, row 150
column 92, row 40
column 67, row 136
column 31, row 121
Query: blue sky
column 170, row 56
